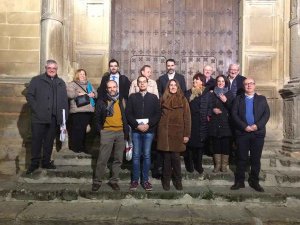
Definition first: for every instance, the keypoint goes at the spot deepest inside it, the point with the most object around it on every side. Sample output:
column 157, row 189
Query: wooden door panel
column 203, row 30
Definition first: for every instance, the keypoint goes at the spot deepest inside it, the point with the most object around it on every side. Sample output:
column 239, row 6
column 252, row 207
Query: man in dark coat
column 114, row 74
column 47, row 97
column 250, row 113
column 171, row 74
column 112, row 125
column 236, row 80
column 210, row 81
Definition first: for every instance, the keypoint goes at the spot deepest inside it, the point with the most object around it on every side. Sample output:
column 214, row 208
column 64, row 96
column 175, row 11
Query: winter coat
column 200, row 111
column 175, row 123
column 73, row 91
column 40, row 99
column 220, row 124
column 152, row 87
column 261, row 115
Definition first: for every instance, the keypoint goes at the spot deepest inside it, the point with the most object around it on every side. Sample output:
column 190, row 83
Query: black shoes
column 114, row 186
column 178, row 185
column 256, row 186
column 237, row 186
column 96, row 186
column 49, row 166
column 31, row 169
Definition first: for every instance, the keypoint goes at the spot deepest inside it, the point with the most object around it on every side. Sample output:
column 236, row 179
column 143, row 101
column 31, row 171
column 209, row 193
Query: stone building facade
column 86, row 33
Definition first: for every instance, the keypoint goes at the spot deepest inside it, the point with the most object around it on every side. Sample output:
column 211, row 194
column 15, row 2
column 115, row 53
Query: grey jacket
column 40, row 99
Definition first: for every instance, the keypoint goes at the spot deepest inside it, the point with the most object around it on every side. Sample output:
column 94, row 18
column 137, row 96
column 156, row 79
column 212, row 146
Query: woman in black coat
column 219, row 125
column 199, row 99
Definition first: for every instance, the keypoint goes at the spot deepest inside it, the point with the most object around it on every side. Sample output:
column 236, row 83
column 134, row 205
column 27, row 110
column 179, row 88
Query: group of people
column 226, row 110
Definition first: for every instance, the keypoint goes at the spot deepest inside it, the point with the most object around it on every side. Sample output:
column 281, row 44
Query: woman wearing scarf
column 199, row 99
column 80, row 117
column 219, row 126
column 173, row 133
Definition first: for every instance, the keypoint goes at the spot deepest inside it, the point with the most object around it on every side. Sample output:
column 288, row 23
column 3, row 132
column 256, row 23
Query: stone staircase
column 73, row 178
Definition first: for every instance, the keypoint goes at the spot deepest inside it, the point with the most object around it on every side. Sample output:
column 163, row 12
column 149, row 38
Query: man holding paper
column 143, row 114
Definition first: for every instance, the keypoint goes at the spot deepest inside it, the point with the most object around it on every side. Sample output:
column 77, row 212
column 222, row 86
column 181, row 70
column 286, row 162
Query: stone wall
column 19, row 61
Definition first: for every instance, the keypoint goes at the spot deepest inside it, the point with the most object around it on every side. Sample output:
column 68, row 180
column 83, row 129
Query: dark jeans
column 221, row 145
column 43, row 135
column 193, row 159
column 171, row 166
column 253, row 144
column 79, row 122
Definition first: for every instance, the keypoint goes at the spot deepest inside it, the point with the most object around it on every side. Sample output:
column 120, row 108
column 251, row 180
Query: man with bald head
column 250, row 113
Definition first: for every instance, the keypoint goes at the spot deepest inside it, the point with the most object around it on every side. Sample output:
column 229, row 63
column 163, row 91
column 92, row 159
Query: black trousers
column 193, row 159
column 253, row 144
column 171, row 166
column 79, row 122
column 43, row 136
column 221, row 145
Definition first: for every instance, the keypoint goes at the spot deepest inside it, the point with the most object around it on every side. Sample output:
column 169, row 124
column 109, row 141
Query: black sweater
column 139, row 107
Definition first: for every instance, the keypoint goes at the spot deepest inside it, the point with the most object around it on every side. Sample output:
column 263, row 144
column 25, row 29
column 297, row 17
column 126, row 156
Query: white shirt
column 171, row 76
column 115, row 77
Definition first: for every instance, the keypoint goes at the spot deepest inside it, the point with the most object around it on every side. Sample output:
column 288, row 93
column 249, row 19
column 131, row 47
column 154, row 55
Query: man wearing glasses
column 47, row 97
column 250, row 113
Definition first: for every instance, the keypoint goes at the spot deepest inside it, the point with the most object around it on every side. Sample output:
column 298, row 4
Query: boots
column 217, row 162
column 224, row 163
column 166, row 183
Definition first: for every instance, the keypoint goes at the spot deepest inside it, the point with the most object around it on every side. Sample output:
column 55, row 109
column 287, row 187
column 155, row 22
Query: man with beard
column 171, row 74
column 114, row 74
column 112, row 125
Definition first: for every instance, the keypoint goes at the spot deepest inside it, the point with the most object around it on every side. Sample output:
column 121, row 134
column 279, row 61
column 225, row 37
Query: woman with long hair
column 173, row 133
column 80, row 116
column 219, row 126
column 199, row 98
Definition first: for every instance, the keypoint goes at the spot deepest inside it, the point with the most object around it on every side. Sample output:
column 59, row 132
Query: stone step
column 83, row 174
column 70, row 192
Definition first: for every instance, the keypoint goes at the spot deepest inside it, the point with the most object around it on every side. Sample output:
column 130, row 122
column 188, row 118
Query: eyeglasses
column 51, row 68
column 249, row 84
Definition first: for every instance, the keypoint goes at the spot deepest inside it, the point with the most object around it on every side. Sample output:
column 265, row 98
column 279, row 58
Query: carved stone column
column 291, row 91
column 52, row 32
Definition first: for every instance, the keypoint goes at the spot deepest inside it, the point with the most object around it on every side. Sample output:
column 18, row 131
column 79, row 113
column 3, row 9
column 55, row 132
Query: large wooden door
column 193, row 32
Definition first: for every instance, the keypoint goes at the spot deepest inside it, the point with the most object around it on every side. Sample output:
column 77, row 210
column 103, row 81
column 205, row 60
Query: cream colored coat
column 152, row 87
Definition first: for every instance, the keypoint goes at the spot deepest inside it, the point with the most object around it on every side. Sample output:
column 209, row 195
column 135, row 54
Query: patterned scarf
column 110, row 104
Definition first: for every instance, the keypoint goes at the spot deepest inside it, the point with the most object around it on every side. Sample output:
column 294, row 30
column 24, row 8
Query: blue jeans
column 141, row 147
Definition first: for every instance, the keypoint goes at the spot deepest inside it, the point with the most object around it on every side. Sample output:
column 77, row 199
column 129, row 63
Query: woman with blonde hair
column 80, row 115
column 173, row 133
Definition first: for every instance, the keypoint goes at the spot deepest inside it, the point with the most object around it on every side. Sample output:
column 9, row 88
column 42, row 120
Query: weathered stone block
column 11, row 106
column 20, row 68
column 4, row 42
column 20, row 30
column 2, row 17
column 8, row 167
column 25, row 43
column 23, row 17
column 20, row 6
column 19, row 56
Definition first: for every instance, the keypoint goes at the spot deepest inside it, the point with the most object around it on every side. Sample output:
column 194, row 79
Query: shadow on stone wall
column 24, row 128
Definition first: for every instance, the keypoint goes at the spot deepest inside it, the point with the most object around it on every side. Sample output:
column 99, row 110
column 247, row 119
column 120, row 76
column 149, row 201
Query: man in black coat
column 114, row 74
column 236, row 80
column 250, row 113
column 47, row 97
column 171, row 74
column 210, row 82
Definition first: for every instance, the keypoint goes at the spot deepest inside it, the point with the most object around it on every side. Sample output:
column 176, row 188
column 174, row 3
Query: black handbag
column 82, row 100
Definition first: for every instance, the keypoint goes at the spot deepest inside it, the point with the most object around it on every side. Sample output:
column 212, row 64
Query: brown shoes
column 114, row 186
